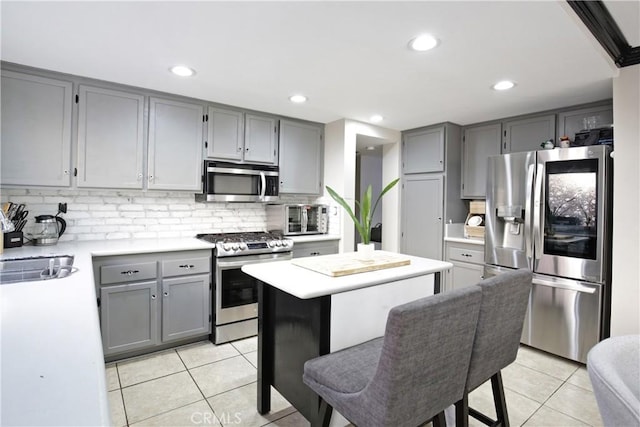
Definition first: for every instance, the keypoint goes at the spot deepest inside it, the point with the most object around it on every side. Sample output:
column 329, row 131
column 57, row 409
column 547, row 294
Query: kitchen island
column 304, row 314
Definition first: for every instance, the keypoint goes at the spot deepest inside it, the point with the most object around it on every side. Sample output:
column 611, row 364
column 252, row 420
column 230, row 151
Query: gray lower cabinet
column 129, row 316
column 423, row 150
column 153, row 301
column 110, row 138
column 422, row 213
column 478, row 144
column 185, row 307
column 468, row 264
column 36, row 130
column 300, row 158
column 528, row 133
column 306, row 249
column 175, row 145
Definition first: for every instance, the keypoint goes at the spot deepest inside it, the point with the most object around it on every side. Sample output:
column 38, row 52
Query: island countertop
column 305, row 284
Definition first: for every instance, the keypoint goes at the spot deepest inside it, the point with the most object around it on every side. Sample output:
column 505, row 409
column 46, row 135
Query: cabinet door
column 463, row 275
column 110, row 138
column 175, row 145
column 423, row 151
column 572, row 122
column 301, row 250
column 422, row 229
column 528, row 134
column 129, row 316
column 36, row 130
column 260, row 139
column 186, row 307
column 300, row 158
column 478, row 144
column 225, row 135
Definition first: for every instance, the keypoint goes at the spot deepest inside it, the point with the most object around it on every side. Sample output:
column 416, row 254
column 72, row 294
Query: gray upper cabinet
column 422, row 224
column 527, row 134
column 225, row 136
column 260, row 139
column 238, row 137
column 300, row 158
column 175, row 145
column 572, row 122
column 423, row 151
column 478, row 144
column 110, row 138
column 36, row 130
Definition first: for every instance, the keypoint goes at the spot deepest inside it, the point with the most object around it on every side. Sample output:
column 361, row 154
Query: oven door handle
column 225, row 265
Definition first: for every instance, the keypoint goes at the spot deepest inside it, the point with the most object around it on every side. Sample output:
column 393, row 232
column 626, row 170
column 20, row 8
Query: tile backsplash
column 125, row 214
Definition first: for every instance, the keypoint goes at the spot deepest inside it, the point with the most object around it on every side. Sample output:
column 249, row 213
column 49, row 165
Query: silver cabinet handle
column 151, row 178
column 187, row 266
column 130, row 272
column 66, row 172
column 153, row 297
column 139, row 176
column 166, row 294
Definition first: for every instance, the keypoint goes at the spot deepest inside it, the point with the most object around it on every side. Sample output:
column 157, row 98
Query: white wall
column 625, row 304
column 339, row 172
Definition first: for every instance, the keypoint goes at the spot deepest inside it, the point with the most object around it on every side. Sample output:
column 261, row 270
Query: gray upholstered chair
column 406, row 377
column 614, row 370
column 504, row 304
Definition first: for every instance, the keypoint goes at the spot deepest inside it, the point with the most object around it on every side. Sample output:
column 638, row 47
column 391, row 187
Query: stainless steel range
column 235, row 301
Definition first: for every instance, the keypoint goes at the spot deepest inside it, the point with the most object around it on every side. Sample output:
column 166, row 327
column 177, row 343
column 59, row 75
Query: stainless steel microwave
column 231, row 182
column 298, row 219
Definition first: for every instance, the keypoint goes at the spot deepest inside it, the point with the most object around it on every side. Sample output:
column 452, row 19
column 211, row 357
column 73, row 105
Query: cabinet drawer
column 182, row 267
column 466, row 255
column 127, row 272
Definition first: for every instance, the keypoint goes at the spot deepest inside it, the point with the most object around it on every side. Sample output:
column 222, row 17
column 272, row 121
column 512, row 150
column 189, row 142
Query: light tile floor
column 203, row 384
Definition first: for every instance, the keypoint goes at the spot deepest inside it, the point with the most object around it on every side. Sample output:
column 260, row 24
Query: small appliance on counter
column 49, row 228
column 301, row 219
column 474, row 224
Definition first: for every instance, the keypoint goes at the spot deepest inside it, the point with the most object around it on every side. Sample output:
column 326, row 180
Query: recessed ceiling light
column 298, row 99
column 423, row 43
column 504, row 85
column 376, row 118
column 371, row 148
column 182, row 71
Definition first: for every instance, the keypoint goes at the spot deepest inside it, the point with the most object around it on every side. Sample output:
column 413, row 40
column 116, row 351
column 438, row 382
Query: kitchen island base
column 292, row 330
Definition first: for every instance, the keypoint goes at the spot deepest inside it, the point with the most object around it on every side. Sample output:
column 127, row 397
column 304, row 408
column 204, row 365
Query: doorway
column 369, row 172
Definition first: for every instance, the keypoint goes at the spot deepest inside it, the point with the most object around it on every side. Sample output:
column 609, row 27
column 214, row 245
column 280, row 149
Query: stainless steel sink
column 35, row 268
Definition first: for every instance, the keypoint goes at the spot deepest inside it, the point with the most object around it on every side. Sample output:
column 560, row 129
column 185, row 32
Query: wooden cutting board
column 349, row 263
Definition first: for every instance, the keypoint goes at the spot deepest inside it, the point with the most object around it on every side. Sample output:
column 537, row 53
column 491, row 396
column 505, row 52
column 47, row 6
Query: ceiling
column 350, row 58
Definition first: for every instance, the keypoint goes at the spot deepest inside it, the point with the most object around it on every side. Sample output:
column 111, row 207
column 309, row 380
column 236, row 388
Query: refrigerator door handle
column 537, row 211
column 528, row 240
column 570, row 287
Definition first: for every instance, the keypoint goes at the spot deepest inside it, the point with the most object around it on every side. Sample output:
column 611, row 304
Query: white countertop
column 313, row 238
column 52, row 363
column 455, row 233
column 303, row 283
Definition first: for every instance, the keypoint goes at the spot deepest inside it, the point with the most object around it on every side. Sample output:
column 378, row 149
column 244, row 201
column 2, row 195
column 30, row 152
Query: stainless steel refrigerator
column 550, row 211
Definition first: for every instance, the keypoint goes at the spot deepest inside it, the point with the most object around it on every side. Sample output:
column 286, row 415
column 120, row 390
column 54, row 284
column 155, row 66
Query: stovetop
column 247, row 243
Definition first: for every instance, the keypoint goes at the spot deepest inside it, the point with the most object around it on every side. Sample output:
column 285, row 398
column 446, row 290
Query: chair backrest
column 424, row 360
column 504, row 304
column 614, row 370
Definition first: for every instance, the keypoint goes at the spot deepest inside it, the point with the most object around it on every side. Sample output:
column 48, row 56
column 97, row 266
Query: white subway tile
column 118, row 221
column 90, row 221
column 144, row 235
column 104, row 229
column 91, row 236
column 119, row 235
column 130, row 208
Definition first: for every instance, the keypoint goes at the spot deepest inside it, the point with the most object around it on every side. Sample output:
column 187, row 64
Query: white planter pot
column 365, row 252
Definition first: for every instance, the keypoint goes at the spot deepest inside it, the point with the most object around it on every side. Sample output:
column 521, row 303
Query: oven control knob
column 285, row 243
column 226, row 247
column 234, row 247
column 278, row 243
column 272, row 243
column 243, row 246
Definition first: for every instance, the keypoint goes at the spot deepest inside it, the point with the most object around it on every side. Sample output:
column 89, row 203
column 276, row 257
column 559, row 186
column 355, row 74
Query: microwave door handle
column 263, row 185
column 537, row 211
column 305, row 219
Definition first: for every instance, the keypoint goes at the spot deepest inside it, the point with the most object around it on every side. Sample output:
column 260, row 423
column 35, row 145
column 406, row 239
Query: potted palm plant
column 363, row 224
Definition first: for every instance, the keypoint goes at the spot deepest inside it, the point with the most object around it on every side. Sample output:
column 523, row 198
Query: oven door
column 236, row 295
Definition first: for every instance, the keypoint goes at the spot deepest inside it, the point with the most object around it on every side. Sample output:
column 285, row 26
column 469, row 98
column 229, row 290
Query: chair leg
column 439, row 420
column 462, row 411
column 499, row 400
column 323, row 416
